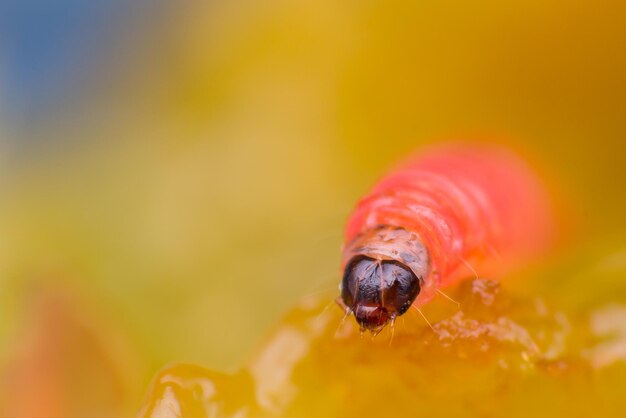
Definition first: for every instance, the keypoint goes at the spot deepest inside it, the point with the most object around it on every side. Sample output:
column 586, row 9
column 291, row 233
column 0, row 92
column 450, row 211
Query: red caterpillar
column 438, row 216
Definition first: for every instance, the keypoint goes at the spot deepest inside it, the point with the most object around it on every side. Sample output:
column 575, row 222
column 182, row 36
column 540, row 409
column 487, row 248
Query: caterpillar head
column 377, row 291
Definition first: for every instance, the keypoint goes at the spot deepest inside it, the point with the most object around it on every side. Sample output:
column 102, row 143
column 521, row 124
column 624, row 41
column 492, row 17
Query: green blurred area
column 204, row 188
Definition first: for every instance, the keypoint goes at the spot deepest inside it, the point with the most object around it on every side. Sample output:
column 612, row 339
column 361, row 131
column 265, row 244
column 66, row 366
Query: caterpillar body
column 439, row 216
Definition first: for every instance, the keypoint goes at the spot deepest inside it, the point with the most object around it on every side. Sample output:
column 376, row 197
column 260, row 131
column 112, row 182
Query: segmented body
column 470, row 207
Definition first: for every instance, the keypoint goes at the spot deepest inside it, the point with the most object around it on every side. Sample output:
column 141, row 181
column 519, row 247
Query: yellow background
column 200, row 187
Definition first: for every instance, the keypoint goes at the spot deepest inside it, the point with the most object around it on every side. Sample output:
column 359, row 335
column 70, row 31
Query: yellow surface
column 496, row 355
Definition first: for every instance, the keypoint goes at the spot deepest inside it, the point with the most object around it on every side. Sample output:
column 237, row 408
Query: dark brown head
column 378, row 291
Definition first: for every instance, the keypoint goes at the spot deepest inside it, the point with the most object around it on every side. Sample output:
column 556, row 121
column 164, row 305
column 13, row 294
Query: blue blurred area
column 50, row 47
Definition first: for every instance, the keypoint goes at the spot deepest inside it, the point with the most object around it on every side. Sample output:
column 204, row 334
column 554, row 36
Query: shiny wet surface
column 496, row 355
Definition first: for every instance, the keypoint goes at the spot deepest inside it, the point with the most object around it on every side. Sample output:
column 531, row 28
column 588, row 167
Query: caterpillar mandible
column 442, row 212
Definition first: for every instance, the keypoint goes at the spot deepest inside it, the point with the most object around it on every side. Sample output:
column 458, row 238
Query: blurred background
column 175, row 175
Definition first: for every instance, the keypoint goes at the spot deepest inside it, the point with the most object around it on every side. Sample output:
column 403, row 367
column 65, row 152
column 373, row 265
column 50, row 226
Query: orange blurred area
column 176, row 177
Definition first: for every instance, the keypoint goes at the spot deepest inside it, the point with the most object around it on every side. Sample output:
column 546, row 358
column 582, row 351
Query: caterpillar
column 441, row 214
